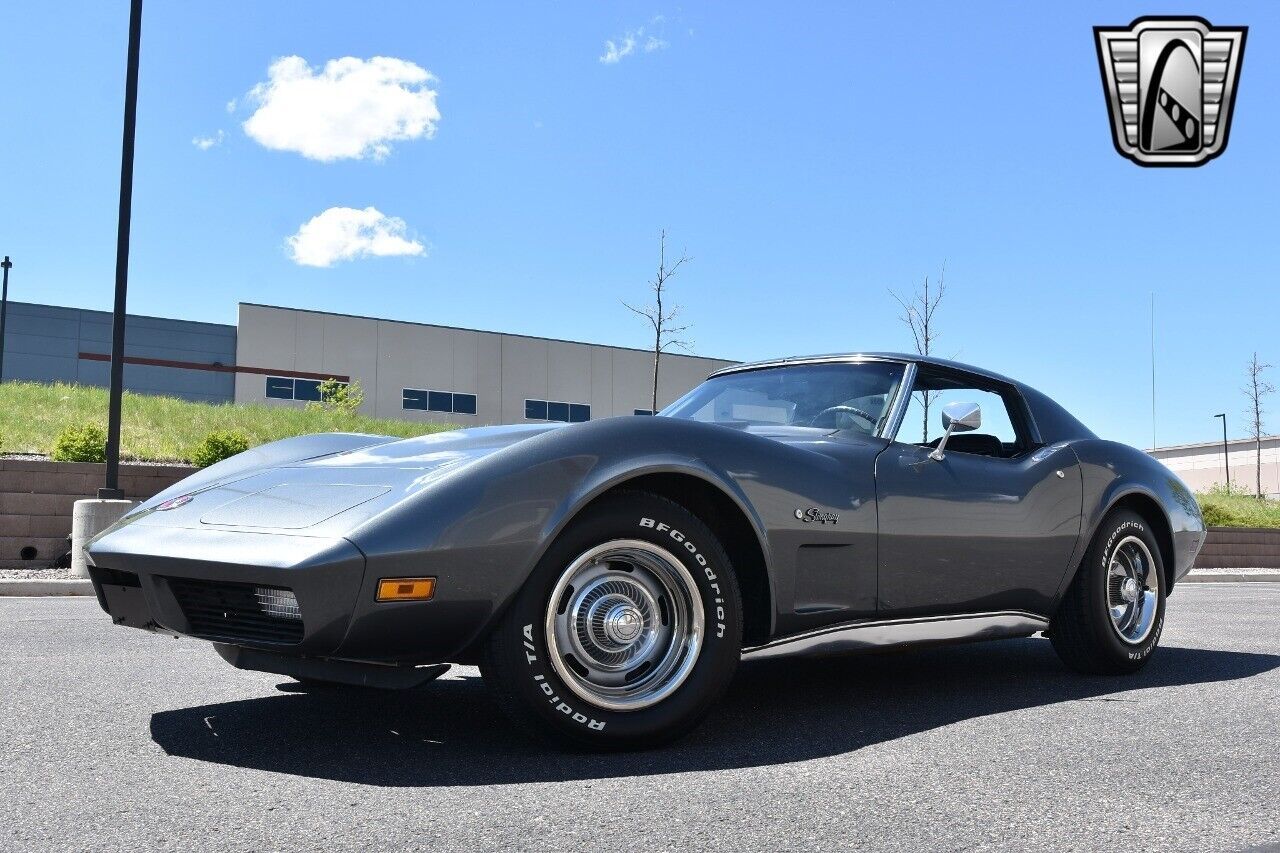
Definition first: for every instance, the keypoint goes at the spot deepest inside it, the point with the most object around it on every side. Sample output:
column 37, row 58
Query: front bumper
column 202, row 583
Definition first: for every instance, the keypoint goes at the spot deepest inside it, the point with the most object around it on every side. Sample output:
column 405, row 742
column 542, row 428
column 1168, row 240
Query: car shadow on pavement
column 450, row 732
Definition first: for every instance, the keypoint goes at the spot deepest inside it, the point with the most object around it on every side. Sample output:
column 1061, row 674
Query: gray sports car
column 607, row 577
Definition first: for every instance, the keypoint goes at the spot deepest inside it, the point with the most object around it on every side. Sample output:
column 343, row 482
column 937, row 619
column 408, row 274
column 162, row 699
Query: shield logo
column 1170, row 85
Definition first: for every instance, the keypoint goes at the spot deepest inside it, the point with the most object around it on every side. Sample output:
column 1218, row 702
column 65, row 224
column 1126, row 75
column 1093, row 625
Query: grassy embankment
column 1233, row 509
column 164, row 428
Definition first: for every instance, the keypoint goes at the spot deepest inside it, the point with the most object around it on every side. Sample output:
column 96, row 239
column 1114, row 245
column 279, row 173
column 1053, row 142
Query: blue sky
column 809, row 156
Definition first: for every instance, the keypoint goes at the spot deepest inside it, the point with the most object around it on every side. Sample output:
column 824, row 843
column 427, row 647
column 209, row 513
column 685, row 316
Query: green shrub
column 219, row 445
column 341, row 397
column 81, row 443
column 1216, row 515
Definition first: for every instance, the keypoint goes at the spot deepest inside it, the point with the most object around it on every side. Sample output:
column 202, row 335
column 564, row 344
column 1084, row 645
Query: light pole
column 1226, row 461
column 4, row 309
column 112, row 486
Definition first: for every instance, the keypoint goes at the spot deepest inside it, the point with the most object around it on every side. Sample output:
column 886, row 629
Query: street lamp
column 4, row 309
column 1226, row 461
column 112, row 486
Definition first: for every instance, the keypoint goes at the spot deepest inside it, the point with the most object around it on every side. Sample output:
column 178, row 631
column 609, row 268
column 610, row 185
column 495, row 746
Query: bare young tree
column 1257, row 390
column 917, row 313
column 661, row 317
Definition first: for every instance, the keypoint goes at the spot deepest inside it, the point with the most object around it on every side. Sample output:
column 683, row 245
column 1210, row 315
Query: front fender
column 481, row 530
column 1113, row 472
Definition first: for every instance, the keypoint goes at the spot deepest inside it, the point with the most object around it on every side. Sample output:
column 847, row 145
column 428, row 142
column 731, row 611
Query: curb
column 48, row 586
column 1228, row 576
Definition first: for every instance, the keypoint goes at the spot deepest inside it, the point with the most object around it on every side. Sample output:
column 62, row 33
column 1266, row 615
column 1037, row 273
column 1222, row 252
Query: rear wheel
column 626, row 632
column 1111, row 616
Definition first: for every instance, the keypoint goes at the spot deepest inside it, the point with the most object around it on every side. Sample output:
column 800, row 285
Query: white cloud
column 625, row 45
column 231, row 105
column 615, row 51
column 204, row 143
column 345, row 233
column 351, row 109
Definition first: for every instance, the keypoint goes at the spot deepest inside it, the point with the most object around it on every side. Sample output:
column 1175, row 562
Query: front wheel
column 1111, row 617
column 627, row 631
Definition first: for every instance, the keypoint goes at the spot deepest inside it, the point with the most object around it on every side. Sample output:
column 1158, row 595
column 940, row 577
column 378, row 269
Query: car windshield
column 829, row 396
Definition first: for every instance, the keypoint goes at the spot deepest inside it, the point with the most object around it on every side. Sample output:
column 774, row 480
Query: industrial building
column 1205, row 465
column 413, row 371
column 175, row 358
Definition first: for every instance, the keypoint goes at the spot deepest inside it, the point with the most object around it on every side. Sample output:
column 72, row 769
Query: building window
column 285, row 388
column 306, row 389
column 643, row 412
column 279, row 388
column 439, row 401
column 550, row 410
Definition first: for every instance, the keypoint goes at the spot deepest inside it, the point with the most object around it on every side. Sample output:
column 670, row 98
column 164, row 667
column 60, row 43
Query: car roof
column 829, row 358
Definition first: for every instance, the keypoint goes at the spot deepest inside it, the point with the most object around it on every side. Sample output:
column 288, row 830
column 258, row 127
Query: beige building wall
column 502, row 371
column 1201, row 465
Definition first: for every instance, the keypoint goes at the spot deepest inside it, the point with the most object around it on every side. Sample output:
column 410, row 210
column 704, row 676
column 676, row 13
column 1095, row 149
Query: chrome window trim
column 878, row 633
column 816, row 359
column 900, row 403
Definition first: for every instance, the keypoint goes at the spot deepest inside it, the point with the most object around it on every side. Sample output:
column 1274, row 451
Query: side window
column 999, row 434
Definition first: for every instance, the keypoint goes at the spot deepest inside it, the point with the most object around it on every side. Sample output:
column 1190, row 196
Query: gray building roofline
column 133, row 315
column 478, row 331
column 1216, row 444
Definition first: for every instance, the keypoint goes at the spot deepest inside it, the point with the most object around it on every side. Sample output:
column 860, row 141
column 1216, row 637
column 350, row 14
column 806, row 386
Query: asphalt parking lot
column 113, row 738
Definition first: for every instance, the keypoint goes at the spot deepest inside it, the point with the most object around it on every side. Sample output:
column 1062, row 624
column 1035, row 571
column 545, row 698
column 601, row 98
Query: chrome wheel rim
column 624, row 625
column 1133, row 590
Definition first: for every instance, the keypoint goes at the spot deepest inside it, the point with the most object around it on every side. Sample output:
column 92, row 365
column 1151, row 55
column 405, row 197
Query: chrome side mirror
column 957, row 417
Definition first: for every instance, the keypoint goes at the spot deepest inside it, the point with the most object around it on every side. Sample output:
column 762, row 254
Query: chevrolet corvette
column 608, row 577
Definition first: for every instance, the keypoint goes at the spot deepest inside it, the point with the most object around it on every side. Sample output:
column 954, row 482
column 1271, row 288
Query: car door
column 992, row 525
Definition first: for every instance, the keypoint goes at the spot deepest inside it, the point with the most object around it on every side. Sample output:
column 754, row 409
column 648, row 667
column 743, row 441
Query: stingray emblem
column 174, row 503
column 1170, row 85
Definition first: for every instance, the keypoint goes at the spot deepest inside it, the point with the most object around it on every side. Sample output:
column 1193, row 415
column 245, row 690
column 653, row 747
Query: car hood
column 324, row 495
column 429, row 452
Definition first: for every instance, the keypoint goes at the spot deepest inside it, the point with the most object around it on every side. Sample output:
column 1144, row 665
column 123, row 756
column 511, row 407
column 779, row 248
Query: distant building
column 413, row 371
column 1202, row 465
column 175, row 358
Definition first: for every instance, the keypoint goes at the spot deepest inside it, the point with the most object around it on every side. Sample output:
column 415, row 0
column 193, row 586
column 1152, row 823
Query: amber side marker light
column 406, row 589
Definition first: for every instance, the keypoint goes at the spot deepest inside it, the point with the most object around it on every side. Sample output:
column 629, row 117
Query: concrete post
column 88, row 519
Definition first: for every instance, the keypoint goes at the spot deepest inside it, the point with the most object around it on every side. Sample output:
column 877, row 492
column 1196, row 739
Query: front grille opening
column 238, row 611
column 114, row 577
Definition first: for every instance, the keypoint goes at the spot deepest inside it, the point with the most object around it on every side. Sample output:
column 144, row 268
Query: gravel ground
column 42, row 574
column 117, row 739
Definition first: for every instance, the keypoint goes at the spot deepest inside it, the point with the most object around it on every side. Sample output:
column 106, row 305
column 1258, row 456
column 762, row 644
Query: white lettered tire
column 1111, row 617
column 626, row 632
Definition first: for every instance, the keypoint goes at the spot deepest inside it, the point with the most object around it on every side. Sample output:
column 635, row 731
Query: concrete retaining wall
column 1240, row 548
column 36, row 497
